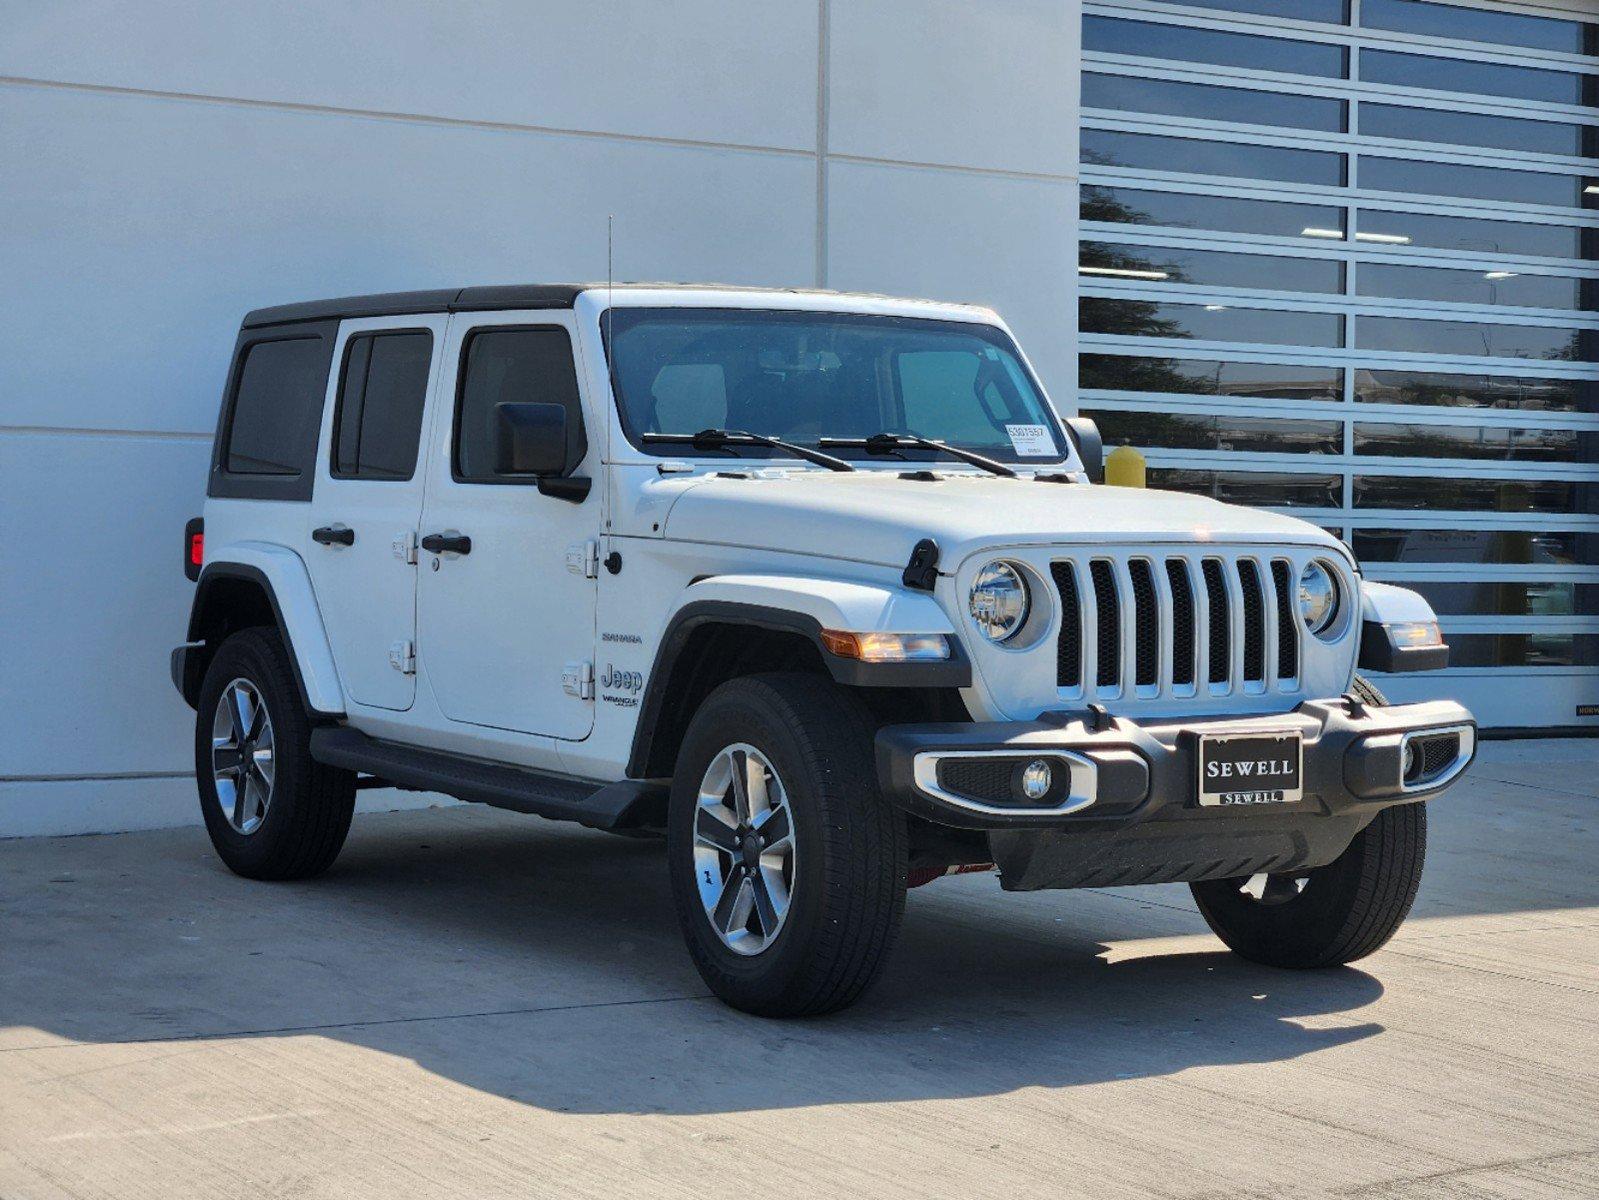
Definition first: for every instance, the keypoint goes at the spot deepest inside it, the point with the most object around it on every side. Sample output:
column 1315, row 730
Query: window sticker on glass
column 1031, row 441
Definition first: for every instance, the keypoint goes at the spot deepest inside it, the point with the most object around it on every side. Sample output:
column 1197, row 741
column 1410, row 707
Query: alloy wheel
column 241, row 756
column 744, row 849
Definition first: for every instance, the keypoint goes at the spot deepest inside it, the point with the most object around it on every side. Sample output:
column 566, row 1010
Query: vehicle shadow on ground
column 545, row 965
column 1008, row 994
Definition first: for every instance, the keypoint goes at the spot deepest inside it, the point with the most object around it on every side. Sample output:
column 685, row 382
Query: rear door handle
column 334, row 535
column 448, row 542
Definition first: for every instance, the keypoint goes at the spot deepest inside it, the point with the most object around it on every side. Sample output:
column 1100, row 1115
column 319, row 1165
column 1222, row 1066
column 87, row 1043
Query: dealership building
column 1334, row 257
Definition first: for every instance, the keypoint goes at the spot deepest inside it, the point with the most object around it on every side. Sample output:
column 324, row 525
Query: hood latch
column 921, row 572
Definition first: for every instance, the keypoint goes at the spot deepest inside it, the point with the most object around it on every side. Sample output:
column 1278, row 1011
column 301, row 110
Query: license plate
column 1251, row 768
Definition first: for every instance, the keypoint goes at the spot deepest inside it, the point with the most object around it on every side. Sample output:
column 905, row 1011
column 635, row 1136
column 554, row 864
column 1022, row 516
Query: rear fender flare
column 282, row 575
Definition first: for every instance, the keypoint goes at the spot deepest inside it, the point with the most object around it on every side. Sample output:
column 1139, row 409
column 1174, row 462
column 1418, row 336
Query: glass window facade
column 1480, row 25
column 1190, row 44
column 1165, row 97
column 1355, row 276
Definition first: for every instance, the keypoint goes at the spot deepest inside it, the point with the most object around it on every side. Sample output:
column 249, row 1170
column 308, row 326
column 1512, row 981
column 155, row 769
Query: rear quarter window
column 270, row 419
column 279, row 383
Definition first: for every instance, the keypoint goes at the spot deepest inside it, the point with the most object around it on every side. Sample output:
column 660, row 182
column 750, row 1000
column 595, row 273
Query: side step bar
column 629, row 804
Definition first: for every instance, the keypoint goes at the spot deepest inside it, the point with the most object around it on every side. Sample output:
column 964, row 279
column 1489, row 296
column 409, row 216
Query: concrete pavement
column 477, row 1004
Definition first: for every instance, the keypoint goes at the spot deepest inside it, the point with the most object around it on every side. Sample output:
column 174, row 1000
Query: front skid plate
column 1230, row 845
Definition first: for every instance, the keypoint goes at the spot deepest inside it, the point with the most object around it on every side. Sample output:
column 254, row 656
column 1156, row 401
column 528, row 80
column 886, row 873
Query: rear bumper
column 1130, row 812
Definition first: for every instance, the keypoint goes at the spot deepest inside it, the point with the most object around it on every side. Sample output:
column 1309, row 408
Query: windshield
column 801, row 376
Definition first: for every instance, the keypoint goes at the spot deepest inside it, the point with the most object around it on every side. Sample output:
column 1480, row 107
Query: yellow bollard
column 1124, row 467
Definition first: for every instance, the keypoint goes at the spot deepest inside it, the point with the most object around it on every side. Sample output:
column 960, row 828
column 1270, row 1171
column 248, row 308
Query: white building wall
column 166, row 166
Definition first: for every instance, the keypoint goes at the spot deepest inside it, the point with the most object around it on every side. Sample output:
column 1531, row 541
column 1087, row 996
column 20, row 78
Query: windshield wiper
column 721, row 439
column 889, row 443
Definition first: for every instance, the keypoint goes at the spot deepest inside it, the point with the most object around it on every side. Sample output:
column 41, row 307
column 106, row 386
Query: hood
column 875, row 516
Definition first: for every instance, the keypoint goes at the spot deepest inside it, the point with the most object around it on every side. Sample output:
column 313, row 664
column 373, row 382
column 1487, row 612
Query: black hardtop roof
column 394, row 304
column 475, row 299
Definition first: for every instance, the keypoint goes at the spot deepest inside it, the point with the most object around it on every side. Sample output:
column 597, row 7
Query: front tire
column 1334, row 914
column 272, row 811
column 787, row 866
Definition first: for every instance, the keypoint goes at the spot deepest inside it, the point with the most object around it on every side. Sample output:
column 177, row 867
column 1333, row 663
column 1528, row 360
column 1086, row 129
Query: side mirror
column 1090, row 446
column 529, row 439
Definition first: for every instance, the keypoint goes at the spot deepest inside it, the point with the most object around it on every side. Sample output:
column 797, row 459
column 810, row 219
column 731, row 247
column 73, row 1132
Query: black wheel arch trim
column 954, row 672
column 189, row 661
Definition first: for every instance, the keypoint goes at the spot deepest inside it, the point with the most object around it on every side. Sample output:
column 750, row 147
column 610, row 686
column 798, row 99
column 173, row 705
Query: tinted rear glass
column 381, row 396
column 280, row 389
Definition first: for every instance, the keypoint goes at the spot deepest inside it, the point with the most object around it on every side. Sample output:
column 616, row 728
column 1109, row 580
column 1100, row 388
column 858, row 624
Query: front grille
column 1254, row 622
column 1069, row 646
column 1182, row 622
column 1108, row 618
column 1146, row 670
column 1287, row 628
column 1221, row 649
column 1184, row 634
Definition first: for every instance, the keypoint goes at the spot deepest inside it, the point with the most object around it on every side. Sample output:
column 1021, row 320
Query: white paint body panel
column 1389, row 605
column 297, row 606
column 368, row 592
column 874, row 516
column 497, row 626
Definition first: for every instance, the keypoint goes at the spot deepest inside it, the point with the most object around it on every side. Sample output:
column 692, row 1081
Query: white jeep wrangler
column 821, row 585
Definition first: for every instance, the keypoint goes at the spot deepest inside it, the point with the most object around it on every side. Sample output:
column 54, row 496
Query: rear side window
column 530, row 365
column 382, row 390
column 279, row 394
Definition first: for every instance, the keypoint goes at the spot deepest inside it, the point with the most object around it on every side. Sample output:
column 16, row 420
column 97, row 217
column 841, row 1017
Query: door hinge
column 405, row 546
column 577, row 679
column 583, row 558
column 402, row 657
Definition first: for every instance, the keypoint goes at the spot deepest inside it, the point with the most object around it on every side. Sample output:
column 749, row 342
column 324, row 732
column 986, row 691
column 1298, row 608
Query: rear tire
column 271, row 810
column 820, row 900
column 1334, row 914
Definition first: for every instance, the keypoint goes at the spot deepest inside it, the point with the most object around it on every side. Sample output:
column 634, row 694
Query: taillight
column 194, row 547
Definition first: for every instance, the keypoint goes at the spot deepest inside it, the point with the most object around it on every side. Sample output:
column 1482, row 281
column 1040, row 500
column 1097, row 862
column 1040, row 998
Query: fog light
column 1407, row 770
column 1036, row 779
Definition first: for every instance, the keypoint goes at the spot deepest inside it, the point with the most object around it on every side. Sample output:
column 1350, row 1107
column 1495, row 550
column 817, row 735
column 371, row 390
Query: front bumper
column 1125, row 807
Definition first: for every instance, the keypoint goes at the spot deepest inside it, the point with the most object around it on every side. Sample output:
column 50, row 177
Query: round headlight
column 999, row 601
column 1318, row 598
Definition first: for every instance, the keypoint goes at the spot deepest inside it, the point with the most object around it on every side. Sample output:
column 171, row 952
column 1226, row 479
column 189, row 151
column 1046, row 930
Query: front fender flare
column 804, row 606
column 831, row 603
column 282, row 575
column 1382, row 605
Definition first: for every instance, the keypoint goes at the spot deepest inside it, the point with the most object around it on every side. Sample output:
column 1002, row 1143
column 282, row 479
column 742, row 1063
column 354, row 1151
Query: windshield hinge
column 921, row 572
column 583, row 558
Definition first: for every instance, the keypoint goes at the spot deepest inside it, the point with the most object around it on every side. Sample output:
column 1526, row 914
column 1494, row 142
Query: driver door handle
column 333, row 535
column 449, row 542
